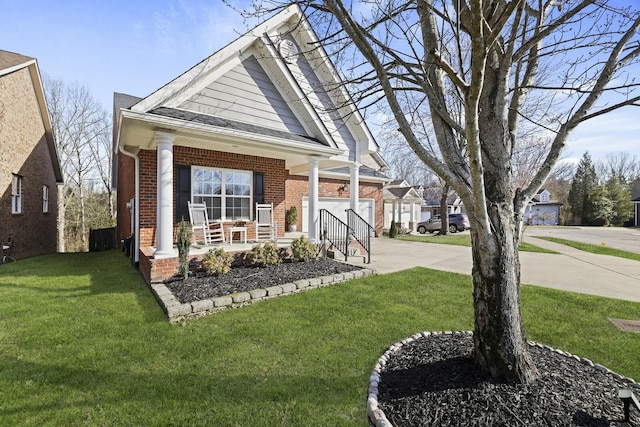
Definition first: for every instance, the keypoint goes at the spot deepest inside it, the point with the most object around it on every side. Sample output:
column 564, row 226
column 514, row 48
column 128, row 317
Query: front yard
column 83, row 342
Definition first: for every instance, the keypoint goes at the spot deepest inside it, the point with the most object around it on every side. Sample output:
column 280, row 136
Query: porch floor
column 236, row 246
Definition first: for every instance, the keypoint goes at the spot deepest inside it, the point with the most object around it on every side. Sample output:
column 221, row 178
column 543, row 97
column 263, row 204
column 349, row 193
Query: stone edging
column 176, row 311
column 379, row 419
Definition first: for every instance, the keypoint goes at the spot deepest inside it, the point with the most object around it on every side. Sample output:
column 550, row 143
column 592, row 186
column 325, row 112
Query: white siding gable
column 544, row 196
column 326, row 109
column 246, row 94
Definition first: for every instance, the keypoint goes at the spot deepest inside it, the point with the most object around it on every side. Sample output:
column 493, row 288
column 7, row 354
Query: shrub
column 303, row 249
column 184, row 242
column 291, row 217
column 266, row 254
column 217, row 261
column 393, row 230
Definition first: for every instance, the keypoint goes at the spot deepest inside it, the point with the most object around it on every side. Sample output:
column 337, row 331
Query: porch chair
column 211, row 231
column 6, row 252
column 266, row 228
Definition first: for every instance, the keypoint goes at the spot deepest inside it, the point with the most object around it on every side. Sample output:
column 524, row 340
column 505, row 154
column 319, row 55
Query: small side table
column 240, row 230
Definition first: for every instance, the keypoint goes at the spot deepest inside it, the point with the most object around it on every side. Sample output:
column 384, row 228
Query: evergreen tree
column 584, row 183
column 598, row 208
column 619, row 192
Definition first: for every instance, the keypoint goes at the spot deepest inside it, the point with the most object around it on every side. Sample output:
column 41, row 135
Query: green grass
column 460, row 239
column 595, row 249
column 83, row 342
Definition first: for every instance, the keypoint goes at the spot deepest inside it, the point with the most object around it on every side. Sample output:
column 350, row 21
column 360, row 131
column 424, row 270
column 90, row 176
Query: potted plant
column 291, row 218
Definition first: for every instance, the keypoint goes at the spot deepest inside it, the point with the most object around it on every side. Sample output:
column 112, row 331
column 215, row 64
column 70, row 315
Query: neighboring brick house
column 29, row 165
column 261, row 120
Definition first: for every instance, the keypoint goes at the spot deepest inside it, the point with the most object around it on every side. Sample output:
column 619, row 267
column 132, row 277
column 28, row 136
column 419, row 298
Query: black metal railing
column 334, row 231
column 361, row 231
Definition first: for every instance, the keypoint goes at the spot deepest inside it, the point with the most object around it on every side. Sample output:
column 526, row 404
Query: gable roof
column 11, row 62
column 298, row 92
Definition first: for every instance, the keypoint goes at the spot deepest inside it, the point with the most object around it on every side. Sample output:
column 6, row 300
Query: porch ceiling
column 137, row 131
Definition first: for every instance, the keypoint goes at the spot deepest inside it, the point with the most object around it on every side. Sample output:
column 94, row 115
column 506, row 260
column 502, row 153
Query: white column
column 164, row 213
column 354, row 198
column 412, row 217
column 314, row 213
column 399, row 221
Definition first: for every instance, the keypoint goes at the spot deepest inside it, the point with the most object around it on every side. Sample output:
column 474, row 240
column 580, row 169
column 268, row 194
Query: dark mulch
column 433, row 382
column 243, row 279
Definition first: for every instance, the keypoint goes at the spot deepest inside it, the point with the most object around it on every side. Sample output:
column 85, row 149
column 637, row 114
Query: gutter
column 135, row 245
column 178, row 125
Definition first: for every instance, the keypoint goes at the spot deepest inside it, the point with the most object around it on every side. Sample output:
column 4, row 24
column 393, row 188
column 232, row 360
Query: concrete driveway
column 571, row 270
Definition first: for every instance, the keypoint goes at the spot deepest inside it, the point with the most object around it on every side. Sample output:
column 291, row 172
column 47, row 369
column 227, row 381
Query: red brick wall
column 274, row 185
column 24, row 151
column 126, row 191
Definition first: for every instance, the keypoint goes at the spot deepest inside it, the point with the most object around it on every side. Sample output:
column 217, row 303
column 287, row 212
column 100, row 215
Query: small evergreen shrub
column 303, row 249
column 217, row 261
column 393, row 230
column 184, row 242
column 264, row 255
column 291, row 217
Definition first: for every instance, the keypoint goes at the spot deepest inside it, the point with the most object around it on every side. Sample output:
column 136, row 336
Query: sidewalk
column 571, row 270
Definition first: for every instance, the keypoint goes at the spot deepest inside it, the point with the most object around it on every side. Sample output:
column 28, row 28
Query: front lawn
column 463, row 239
column 83, row 342
column 601, row 249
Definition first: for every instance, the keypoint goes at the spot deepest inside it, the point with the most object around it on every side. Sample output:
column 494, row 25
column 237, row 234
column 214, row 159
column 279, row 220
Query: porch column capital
column 164, row 208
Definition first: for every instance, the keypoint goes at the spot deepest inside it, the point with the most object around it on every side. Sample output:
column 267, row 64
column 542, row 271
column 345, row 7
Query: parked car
column 457, row 222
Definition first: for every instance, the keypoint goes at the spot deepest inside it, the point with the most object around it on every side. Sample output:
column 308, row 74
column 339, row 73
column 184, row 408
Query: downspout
column 135, row 246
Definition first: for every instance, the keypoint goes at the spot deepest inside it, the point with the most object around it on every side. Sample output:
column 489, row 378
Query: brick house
column 264, row 119
column 29, row 165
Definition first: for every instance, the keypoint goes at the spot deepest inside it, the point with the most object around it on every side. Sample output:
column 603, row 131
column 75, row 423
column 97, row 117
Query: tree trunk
column 444, row 210
column 500, row 345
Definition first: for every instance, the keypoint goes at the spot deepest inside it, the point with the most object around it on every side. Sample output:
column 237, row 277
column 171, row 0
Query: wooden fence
column 102, row 239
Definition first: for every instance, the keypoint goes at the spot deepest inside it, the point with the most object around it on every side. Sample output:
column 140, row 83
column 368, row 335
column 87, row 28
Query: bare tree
column 622, row 166
column 81, row 128
column 514, row 66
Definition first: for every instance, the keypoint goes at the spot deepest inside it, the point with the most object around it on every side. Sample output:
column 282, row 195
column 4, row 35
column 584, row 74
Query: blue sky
column 136, row 46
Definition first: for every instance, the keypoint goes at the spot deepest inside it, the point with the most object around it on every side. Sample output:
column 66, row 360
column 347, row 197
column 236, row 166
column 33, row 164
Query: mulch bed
column 433, row 381
column 242, row 279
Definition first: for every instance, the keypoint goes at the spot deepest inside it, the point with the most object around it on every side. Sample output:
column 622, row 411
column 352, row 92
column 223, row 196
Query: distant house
column 542, row 210
column 402, row 204
column 29, row 165
column 635, row 198
column 263, row 120
column 431, row 205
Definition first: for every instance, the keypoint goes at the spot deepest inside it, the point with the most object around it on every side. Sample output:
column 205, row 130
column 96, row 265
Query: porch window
column 16, row 194
column 227, row 193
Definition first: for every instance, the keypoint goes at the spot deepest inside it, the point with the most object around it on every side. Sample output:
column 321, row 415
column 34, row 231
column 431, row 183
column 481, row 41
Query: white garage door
column 338, row 206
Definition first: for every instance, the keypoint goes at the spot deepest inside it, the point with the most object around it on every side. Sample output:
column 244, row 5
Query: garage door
column 338, row 206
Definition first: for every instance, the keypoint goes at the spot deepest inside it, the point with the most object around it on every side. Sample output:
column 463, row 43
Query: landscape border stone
column 176, row 311
column 378, row 418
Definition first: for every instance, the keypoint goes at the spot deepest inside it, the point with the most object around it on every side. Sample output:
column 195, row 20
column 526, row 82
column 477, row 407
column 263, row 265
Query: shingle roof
column 232, row 124
column 10, row 59
column 122, row 100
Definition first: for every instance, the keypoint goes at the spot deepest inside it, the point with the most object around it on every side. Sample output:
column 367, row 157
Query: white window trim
column 222, row 196
column 16, row 194
column 45, row 199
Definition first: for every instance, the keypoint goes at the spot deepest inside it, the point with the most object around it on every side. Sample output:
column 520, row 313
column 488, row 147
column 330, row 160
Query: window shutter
column 183, row 192
column 258, row 187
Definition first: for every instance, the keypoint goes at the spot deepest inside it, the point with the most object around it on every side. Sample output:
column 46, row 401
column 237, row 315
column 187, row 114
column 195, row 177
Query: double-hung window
column 227, row 193
column 16, row 194
column 45, row 198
